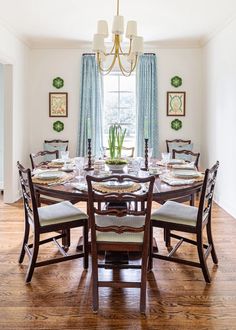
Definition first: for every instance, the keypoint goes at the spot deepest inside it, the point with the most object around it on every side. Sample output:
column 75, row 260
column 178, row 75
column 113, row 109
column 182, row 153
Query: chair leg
column 167, row 237
column 210, row 241
column 33, row 259
column 25, row 241
column 202, row 259
column 66, row 239
column 85, row 247
column 143, row 282
column 192, row 200
column 95, row 281
column 150, row 259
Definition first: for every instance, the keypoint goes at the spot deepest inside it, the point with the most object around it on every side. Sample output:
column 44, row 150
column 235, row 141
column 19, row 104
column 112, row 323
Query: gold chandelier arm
column 111, row 51
column 129, row 51
column 125, row 72
column 105, row 71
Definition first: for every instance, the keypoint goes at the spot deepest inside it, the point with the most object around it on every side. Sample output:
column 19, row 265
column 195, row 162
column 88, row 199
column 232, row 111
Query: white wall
column 14, row 54
column 47, row 64
column 219, row 64
column 1, row 125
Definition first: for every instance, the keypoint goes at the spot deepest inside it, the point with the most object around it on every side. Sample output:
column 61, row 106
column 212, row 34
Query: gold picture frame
column 176, row 103
column 58, row 104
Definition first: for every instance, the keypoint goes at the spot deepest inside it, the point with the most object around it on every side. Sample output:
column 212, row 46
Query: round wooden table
column 161, row 192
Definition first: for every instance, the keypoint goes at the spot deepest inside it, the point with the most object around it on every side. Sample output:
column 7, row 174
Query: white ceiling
column 41, row 22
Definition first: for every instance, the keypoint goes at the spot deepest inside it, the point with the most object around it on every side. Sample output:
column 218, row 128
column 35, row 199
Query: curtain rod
column 84, row 54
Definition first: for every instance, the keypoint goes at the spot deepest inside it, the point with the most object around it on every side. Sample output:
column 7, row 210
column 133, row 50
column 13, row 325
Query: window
column 119, row 106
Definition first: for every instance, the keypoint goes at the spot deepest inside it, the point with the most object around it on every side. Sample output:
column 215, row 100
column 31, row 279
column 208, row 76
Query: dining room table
column 72, row 187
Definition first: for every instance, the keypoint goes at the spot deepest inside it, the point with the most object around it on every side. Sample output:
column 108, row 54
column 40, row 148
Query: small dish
column 117, row 185
column 50, row 175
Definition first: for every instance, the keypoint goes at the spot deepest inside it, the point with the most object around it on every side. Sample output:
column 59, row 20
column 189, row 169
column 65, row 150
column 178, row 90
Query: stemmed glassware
column 79, row 164
column 165, row 159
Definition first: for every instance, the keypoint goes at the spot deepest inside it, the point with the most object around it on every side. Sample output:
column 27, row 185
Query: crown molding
column 205, row 40
column 13, row 32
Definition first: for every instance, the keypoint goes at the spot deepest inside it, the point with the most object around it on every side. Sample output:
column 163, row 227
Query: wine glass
column 79, row 164
column 165, row 159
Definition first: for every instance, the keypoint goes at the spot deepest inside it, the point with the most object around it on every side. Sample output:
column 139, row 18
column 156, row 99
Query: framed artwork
column 175, row 104
column 58, row 104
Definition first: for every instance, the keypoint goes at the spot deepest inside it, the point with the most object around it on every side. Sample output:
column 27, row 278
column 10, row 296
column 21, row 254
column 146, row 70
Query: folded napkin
column 40, row 170
column 175, row 181
column 80, row 186
column 189, row 166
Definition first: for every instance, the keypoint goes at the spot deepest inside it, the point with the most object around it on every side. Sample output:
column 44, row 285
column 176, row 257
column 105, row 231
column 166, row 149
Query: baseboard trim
column 226, row 206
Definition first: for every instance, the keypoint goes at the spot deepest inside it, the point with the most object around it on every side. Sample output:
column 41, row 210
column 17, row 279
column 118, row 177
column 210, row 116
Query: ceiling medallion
column 117, row 54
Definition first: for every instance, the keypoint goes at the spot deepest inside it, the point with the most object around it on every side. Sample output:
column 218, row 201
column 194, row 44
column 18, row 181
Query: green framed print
column 58, row 104
column 176, row 103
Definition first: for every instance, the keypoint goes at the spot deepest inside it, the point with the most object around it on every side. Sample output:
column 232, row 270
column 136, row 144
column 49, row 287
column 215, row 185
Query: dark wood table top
column 162, row 191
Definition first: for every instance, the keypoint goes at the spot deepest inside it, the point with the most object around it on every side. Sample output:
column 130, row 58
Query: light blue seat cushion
column 178, row 147
column 127, row 237
column 176, row 213
column 59, row 213
column 52, row 147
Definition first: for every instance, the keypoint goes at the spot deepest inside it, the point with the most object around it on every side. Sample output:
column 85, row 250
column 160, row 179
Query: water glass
column 165, row 159
column 64, row 155
column 79, row 164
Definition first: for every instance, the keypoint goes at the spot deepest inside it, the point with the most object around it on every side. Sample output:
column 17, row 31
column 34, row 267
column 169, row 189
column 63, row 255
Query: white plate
column 116, row 184
column 80, row 186
column 154, row 171
column 176, row 161
column 185, row 174
column 50, row 175
column 58, row 160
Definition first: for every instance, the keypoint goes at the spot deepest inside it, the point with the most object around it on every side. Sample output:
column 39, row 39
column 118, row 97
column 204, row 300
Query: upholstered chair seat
column 177, row 213
column 59, row 213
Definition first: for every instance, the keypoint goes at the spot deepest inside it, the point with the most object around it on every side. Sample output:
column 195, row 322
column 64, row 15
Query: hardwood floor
column 59, row 296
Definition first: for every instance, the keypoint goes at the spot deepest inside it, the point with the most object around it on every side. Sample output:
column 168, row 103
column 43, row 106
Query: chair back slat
column 58, row 142
column 206, row 199
column 129, row 201
column 182, row 142
column 29, row 199
column 194, row 155
column 38, row 159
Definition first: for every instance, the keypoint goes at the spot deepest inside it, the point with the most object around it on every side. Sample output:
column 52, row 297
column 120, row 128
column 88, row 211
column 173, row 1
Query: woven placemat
column 100, row 187
column 64, row 179
column 55, row 165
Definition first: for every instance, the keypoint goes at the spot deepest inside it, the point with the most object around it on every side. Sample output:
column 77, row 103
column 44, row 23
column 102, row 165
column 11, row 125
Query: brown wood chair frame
column 203, row 221
column 196, row 155
column 59, row 142
column 176, row 141
column 142, row 201
column 32, row 220
column 33, row 157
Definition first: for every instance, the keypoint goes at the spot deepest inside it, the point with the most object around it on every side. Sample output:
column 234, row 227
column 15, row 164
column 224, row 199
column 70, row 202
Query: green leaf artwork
column 58, row 82
column 176, row 81
column 176, row 124
column 58, row 126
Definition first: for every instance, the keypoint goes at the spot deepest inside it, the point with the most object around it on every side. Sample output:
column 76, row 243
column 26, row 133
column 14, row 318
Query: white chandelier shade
column 135, row 44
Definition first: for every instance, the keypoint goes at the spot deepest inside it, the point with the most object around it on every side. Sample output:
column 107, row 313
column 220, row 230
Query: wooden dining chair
column 38, row 159
column 192, row 156
column 170, row 144
column 58, row 217
column 188, row 219
column 57, row 144
column 120, row 229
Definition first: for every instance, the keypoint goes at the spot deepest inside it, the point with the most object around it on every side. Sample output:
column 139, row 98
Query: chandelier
column 117, row 54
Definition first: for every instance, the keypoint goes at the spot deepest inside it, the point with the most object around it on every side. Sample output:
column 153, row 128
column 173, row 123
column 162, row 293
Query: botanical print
column 58, row 104
column 175, row 103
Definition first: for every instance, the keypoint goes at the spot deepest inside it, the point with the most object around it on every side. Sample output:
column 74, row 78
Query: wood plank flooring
column 59, row 296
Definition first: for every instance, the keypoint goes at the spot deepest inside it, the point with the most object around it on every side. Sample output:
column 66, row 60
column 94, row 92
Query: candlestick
column 146, row 156
column 89, row 168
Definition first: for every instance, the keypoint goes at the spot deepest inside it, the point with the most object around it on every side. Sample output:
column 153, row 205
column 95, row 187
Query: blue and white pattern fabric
column 146, row 104
column 91, row 101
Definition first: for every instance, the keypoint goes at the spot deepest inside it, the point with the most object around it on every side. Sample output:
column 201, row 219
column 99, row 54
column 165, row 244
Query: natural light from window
column 119, row 106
